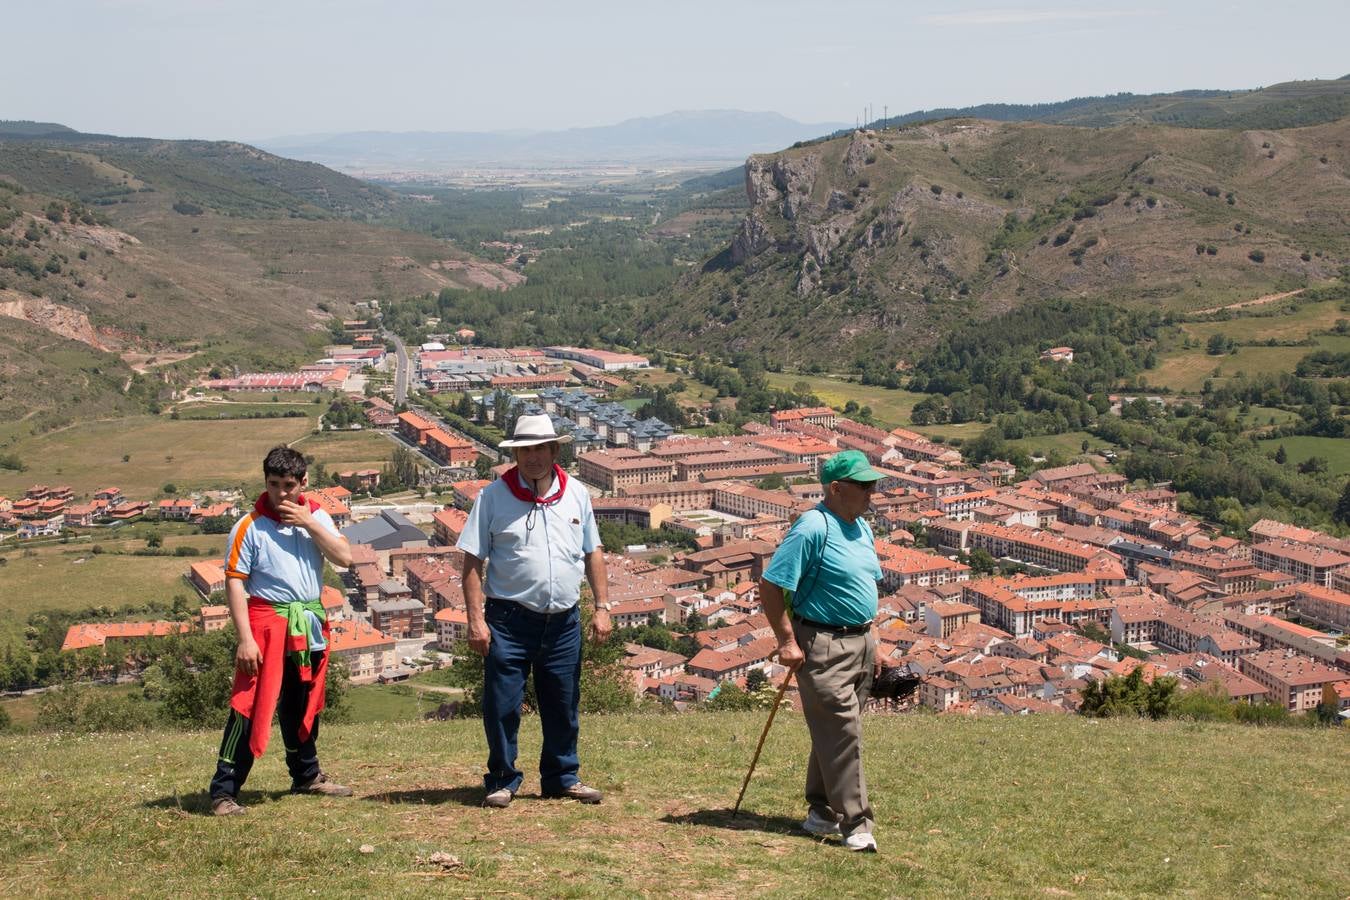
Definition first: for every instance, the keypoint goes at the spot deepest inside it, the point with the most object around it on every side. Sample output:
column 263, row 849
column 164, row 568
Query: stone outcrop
column 860, row 149
column 752, row 239
column 61, row 320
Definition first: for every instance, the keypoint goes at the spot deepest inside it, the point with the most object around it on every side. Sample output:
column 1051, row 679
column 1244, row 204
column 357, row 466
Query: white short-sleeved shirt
column 536, row 559
column 278, row 562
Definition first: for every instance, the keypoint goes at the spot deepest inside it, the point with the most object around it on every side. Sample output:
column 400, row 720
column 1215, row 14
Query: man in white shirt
column 535, row 531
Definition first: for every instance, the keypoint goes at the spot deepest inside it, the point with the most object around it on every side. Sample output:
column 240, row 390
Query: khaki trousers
column 833, row 683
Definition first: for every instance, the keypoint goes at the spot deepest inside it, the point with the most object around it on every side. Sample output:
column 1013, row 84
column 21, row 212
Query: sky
column 258, row 69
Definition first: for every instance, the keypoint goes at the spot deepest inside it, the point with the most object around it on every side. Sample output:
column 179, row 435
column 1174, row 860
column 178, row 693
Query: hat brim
column 534, row 441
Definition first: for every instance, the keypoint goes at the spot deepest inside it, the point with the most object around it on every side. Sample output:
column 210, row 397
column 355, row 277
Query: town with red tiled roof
column 1005, row 596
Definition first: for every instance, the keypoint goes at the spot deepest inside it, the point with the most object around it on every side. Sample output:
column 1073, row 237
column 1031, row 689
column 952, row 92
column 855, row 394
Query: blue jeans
column 549, row 645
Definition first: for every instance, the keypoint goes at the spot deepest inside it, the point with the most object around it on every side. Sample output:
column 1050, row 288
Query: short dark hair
column 284, row 462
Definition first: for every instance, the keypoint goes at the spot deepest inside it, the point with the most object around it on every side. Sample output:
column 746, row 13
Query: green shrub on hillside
column 80, row 709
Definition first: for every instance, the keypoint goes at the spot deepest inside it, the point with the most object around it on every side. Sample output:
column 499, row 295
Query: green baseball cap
column 849, row 465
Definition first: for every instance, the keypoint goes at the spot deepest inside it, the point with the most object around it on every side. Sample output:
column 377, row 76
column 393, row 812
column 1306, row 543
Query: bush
column 80, row 709
column 1257, row 256
column 197, row 671
column 936, row 189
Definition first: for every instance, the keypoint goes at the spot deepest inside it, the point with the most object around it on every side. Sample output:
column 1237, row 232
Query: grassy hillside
column 219, row 251
column 991, row 806
column 1287, row 105
column 871, row 244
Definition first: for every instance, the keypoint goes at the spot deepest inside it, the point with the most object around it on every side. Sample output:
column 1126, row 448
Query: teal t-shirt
column 830, row 566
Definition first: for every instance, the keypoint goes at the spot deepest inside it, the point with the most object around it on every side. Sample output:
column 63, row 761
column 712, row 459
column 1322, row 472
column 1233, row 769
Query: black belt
column 531, row 613
column 837, row 629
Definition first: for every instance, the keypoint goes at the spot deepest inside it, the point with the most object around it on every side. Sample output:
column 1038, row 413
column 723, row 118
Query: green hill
column 1290, row 104
column 992, row 806
column 873, row 244
column 179, row 256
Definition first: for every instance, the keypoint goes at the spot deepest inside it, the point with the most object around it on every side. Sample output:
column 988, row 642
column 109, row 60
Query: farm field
column 236, row 410
column 1293, row 324
column 1188, row 370
column 341, row 450
column 140, row 454
column 1265, row 416
column 77, row 579
column 1070, row 443
column 890, row 407
column 1336, row 451
column 695, row 393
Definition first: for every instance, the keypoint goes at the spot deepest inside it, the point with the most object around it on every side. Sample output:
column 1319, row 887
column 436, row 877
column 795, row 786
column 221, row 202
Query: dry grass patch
column 1188, row 370
column 342, row 450
column 189, row 454
column 891, row 407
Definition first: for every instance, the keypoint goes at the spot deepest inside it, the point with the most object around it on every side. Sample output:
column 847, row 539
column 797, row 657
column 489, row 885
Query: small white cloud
column 1026, row 16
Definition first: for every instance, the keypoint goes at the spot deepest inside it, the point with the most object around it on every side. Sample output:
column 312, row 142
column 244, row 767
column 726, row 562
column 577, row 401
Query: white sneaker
column 861, row 841
column 819, row 825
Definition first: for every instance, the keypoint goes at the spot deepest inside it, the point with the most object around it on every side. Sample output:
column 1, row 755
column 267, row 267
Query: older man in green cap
column 827, row 565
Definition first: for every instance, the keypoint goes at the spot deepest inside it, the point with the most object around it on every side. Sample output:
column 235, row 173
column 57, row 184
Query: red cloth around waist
column 255, row 696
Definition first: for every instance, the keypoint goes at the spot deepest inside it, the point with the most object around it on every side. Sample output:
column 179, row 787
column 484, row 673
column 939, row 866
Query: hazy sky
column 254, row 69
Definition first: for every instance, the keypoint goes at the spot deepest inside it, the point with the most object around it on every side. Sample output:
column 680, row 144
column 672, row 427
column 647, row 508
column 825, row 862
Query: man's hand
column 479, row 635
column 248, row 657
column 295, row 514
column 789, row 654
column 601, row 627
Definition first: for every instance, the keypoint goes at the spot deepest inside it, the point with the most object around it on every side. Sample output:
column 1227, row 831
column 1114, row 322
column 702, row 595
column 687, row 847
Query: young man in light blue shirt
column 828, row 562
column 529, row 538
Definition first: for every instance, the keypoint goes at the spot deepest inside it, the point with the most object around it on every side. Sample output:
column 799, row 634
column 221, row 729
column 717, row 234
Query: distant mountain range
column 1290, row 104
column 705, row 136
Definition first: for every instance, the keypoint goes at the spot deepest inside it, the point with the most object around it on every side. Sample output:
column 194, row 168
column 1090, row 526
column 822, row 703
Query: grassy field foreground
column 989, row 806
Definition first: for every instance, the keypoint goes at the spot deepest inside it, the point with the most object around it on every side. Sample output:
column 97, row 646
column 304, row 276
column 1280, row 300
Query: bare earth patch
column 482, row 274
column 1259, row 301
column 62, row 320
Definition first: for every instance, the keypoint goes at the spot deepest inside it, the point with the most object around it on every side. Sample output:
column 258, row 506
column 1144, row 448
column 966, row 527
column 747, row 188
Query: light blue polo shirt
column 534, row 559
column 831, row 567
column 278, row 562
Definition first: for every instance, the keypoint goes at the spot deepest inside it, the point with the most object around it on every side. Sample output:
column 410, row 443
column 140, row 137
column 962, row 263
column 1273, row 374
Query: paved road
column 403, row 370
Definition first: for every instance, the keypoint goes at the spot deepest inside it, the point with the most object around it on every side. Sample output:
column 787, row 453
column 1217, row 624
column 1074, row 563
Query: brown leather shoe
column 498, row 799
column 227, row 806
column 321, row 785
column 578, row 791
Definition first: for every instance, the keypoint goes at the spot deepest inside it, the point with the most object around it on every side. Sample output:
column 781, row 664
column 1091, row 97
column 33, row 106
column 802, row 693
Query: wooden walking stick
column 773, row 712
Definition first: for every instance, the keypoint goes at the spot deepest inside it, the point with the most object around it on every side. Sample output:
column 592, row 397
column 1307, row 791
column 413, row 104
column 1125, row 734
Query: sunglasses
column 868, row 486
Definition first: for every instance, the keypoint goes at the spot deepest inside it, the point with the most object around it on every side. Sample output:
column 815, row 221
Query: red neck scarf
column 525, row 495
column 263, row 506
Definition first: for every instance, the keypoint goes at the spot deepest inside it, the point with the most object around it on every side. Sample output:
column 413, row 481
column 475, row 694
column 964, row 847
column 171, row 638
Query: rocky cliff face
column 886, row 238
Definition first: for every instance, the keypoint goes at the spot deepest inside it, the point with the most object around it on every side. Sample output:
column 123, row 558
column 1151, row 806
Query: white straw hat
column 532, row 430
